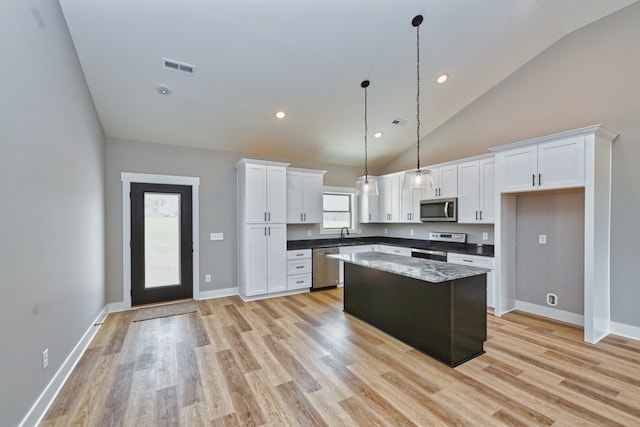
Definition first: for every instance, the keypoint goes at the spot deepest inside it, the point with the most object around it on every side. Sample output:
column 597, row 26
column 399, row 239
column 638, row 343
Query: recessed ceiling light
column 280, row 115
column 442, row 78
column 378, row 134
column 163, row 90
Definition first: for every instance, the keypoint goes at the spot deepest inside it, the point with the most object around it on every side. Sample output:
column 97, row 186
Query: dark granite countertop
column 468, row 249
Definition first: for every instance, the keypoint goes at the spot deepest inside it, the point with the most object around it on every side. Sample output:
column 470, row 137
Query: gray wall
column 558, row 266
column 218, row 209
column 52, row 210
column 588, row 77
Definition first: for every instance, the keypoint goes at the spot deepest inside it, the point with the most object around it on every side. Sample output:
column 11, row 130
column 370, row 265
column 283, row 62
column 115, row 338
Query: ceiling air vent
column 178, row 66
column 399, row 122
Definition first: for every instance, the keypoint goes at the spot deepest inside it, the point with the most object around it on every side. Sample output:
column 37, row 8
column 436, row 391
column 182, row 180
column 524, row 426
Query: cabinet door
column 561, row 163
column 256, row 251
column 410, row 205
column 312, row 187
column 385, row 191
column 276, row 194
column 276, row 249
column 448, row 181
column 255, row 193
column 468, row 191
column 368, row 209
column 487, row 195
column 294, row 197
column 520, row 166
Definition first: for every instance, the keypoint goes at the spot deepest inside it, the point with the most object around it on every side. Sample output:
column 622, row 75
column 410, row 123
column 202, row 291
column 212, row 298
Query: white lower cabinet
column 393, row 250
column 299, row 269
column 265, row 252
column 476, row 261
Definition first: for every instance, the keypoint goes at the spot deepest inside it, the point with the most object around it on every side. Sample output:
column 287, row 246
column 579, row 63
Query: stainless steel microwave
column 439, row 210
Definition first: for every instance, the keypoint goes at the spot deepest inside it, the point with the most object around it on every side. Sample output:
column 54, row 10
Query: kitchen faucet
column 342, row 230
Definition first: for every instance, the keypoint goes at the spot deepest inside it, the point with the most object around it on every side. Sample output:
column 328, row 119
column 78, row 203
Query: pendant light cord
column 365, row 84
column 418, row 92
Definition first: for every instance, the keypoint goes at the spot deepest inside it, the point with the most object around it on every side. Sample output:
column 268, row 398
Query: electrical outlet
column 308, row 233
column 45, row 359
column 386, row 230
column 411, row 232
column 552, row 299
column 542, row 239
column 207, row 278
column 485, row 236
column 216, row 236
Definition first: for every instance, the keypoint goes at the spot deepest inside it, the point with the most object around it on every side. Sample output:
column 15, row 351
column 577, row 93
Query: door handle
column 533, row 180
column 539, row 179
column 446, row 209
column 269, row 216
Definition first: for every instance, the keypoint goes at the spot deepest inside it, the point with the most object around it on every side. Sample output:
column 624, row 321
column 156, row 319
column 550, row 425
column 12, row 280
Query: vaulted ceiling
column 307, row 58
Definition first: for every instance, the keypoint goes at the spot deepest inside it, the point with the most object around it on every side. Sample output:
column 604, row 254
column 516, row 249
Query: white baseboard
column 46, row 398
column 115, row 307
column 552, row 313
column 217, row 293
column 623, row 330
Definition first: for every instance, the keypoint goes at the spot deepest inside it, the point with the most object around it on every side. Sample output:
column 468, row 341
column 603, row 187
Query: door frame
column 127, row 178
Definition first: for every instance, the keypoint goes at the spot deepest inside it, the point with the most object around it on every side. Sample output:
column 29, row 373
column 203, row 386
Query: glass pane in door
column 161, row 239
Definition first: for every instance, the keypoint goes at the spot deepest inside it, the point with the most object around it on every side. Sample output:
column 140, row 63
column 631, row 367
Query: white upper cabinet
column 410, row 205
column 262, row 198
column 476, row 191
column 445, row 182
column 304, row 196
column 543, row 166
column 389, row 187
column 368, row 206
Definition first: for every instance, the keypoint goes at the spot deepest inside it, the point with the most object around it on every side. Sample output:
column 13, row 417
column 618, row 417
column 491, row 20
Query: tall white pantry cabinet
column 262, row 229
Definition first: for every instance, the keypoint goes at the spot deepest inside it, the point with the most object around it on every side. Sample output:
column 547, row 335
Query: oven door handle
column 429, row 252
column 446, row 209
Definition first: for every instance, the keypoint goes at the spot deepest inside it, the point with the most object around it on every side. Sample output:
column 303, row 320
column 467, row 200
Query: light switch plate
column 411, row 232
column 485, row 236
column 207, row 278
column 308, row 233
column 217, row 236
column 542, row 239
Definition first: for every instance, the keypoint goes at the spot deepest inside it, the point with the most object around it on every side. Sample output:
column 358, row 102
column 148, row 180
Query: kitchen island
column 435, row 307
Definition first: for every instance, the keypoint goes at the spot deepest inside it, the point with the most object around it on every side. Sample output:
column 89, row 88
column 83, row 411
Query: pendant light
column 418, row 179
column 364, row 187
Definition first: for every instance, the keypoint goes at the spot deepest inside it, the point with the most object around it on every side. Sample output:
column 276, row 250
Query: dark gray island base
column 447, row 319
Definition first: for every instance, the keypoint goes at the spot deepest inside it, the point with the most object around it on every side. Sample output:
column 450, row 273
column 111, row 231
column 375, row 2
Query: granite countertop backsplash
column 468, row 249
column 417, row 268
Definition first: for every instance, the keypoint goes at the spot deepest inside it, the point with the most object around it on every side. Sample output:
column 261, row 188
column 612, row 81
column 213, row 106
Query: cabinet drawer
column 299, row 267
column 299, row 281
column 394, row 250
column 299, row 254
column 473, row 260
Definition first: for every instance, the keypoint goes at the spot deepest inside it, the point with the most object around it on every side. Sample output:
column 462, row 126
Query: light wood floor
column 301, row 361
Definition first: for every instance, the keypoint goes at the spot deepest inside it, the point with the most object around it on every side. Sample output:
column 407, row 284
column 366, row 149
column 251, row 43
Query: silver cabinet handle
column 265, row 217
column 533, row 180
column 265, row 231
column 299, row 267
column 305, row 217
column 476, row 215
column 299, row 282
column 269, row 216
column 301, row 216
column 269, row 230
column 299, row 254
column 480, row 215
column 539, row 179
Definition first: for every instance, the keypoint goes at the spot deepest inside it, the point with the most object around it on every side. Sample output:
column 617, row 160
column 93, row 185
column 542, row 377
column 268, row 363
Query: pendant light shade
column 417, row 179
column 364, row 186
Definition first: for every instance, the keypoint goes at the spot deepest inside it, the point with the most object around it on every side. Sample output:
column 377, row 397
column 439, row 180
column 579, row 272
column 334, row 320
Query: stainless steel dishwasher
column 326, row 271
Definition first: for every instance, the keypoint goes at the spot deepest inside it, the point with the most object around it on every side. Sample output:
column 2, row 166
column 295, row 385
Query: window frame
column 348, row 191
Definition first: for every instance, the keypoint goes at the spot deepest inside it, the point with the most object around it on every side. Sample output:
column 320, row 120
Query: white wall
column 589, row 77
column 52, row 209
